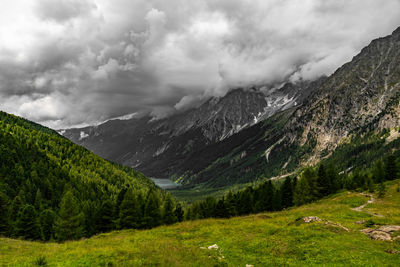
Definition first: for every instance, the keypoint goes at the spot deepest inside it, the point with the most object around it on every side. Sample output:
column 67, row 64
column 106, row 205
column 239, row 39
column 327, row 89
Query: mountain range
column 158, row 147
column 250, row 134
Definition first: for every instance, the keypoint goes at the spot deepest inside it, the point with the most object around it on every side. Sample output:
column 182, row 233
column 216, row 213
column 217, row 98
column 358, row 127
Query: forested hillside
column 51, row 188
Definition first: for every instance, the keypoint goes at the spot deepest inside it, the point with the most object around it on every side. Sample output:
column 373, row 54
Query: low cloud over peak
column 71, row 62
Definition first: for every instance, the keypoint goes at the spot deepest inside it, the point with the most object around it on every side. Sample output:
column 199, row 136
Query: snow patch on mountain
column 83, row 135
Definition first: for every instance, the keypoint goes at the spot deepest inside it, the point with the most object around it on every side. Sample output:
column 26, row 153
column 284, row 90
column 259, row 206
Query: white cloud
column 72, row 62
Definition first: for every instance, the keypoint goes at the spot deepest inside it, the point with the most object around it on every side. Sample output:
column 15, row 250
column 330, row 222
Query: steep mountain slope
column 42, row 173
column 268, row 239
column 158, row 147
column 360, row 100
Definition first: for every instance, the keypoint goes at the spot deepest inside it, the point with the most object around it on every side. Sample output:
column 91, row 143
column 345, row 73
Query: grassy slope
column 263, row 239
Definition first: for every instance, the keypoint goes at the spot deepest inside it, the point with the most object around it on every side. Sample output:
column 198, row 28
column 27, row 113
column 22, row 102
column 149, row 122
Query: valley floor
column 268, row 239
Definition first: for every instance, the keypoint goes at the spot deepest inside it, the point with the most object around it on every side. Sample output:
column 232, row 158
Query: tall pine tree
column 152, row 210
column 306, row 189
column 168, row 214
column 4, row 227
column 391, row 169
column 130, row 211
column 287, row 193
column 70, row 220
column 105, row 217
column 46, row 220
column 323, row 181
column 179, row 213
column 378, row 171
column 27, row 225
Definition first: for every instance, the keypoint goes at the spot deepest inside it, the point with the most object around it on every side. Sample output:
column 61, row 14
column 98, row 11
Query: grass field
column 267, row 239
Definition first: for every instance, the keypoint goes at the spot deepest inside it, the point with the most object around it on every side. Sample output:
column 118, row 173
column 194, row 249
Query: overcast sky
column 76, row 62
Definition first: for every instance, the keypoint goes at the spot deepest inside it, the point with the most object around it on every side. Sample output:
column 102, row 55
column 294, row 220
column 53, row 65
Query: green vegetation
column 52, row 189
column 362, row 149
column 266, row 239
column 311, row 185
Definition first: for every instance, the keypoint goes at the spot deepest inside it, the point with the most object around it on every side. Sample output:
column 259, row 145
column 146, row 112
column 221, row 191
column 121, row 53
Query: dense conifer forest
column 52, row 189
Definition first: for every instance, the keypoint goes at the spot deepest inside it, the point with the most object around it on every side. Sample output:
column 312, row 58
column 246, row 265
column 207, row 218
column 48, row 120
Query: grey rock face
column 157, row 147
column 362, row 93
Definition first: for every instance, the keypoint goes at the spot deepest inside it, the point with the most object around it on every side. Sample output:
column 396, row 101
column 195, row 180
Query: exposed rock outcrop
column 382, row 233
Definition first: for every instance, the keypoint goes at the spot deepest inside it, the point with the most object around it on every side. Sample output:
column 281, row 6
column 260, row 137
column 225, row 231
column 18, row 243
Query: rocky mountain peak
column 157, row 147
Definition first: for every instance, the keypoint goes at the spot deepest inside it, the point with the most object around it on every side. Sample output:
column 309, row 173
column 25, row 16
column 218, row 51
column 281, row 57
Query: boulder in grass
column 215, row 246
column 380, row 235
column 310, row 219
column 389, row 228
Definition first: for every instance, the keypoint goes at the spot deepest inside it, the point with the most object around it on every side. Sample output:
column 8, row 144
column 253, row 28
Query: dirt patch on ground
column 370, row 201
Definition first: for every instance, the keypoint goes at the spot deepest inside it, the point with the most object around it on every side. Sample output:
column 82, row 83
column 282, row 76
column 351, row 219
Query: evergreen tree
column 130, row 211
column 230, row 205
column 16, row 207
column 245, row 204
column 378, row 171
column 324, row 182
column 287, row 193
column 169, row 216
column 120, row 198
column 306, row 189
column 357, row 178
column 90, row 217
column 333, row 178
column 4, row 227
column 70, row 220
column 381, row 190
column 152, row 211
column 207, row 207
column 391, row 169
column 189, row 213
column 38, row 200
column 105, row 217
column 369, row 184
column 46, row 221
column 26, row 225
column 179, row 213
column 269, row 197
column 294, row 183
column 220, row 209
column 277, row 200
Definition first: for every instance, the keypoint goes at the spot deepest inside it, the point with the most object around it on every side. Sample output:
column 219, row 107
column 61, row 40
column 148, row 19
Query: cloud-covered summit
column 71, row 62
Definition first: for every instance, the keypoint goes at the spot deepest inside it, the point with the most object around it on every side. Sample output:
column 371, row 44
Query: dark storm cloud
column 74, row 62
column 62, row 10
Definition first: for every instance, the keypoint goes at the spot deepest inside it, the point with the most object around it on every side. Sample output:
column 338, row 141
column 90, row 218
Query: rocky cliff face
column 158, row 147
column 362, row 93
column 360, row 98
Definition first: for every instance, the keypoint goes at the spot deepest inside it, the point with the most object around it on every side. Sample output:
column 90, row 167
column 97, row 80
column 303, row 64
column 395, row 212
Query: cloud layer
column 75, row 62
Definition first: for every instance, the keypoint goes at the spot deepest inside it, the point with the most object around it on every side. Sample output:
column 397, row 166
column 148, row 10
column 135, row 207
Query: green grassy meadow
column 267, row 239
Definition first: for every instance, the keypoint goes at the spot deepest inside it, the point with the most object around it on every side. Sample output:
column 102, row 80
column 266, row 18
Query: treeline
column 52, row 189
column 74, row 220
column 311, row 185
